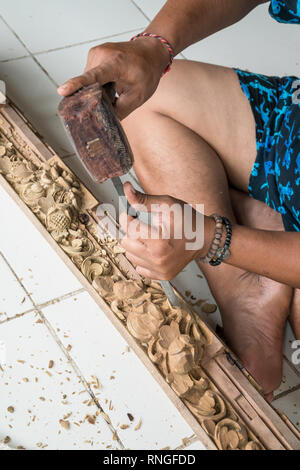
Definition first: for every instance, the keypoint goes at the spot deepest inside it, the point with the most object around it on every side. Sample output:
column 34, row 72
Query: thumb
column 140, row 201
column 98, row 74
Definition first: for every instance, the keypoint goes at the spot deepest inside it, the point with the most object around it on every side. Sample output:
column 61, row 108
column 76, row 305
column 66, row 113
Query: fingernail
column 63, row 87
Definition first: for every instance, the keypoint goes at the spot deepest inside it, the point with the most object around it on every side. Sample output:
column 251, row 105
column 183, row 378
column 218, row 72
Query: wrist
column 161, row 50
column 209, row 232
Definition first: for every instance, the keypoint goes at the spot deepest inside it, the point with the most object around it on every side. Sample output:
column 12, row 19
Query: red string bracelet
column 163, row 40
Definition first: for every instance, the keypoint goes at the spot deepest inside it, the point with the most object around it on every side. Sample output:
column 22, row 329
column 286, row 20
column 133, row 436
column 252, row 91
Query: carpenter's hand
column 162, row 250
column 135, row 68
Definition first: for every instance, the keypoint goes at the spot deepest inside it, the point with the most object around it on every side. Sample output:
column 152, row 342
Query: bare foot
column 254, row 309
column 255, row 214
column 254, row 312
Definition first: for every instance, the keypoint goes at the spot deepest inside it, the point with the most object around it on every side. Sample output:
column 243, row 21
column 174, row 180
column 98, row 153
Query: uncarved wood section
column 242, row 406
column 263, row 409
column 24, row 129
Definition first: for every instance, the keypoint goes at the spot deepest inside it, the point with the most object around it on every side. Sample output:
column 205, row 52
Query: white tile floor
column 41, row 48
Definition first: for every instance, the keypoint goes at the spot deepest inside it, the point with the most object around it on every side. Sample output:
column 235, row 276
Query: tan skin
column 191, row 141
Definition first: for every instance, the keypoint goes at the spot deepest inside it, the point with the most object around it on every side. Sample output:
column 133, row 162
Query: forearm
column 184, row 22
column 275, row 255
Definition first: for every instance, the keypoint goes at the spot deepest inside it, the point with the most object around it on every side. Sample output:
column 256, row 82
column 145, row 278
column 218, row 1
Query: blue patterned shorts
column 275, row 177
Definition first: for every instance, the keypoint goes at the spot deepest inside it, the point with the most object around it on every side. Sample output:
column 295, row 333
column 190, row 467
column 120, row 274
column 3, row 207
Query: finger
column 134, row 228
column 137, row 261
column 126, row 104
column 149, row 273
column 144, row 202
column 135, row 247
column 98, row 74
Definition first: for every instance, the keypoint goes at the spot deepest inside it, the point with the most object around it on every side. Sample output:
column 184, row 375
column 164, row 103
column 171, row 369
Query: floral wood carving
column 172, row 337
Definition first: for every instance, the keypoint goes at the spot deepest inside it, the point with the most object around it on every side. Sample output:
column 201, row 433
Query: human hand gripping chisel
column 100, row 143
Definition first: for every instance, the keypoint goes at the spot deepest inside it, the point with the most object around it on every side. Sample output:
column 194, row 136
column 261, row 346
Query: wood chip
column 11, row 409
column 115, row 436
column 69, row 347
column 185, row 441
column 64, row 424
column 6, row 440
column 139, row 424
column 124, row 426
column 91, row 419
column 209, row 308
column 51, row 364
column 130, row 417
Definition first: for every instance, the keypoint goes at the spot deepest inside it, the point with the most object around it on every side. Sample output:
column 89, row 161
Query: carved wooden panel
column 187, row 359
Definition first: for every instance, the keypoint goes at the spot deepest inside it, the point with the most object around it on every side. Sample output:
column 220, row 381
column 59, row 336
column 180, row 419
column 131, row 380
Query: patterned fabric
column 275, row 177
column 285, row 11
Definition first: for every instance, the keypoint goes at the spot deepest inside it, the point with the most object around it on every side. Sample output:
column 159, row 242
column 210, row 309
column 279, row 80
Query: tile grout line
column 286, row 392
column 67, row 355
column 61, row 48
column 29, row 52
column 44, row 304
column 149, row 19
column 292, row 366
column 140, row 10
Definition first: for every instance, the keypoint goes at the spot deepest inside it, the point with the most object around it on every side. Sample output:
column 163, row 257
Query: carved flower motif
column 58, row 218
column 181, row 349
column 104, row 285
column 95, row 266
column 127, row 290
column 79, row 248
column 206, row 404
column 31, row 193
column 230, row 435
column 144, row 321
column 5, row 165
column 45, row 203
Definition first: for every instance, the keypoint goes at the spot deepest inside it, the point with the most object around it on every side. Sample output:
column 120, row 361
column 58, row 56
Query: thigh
column 208, row 99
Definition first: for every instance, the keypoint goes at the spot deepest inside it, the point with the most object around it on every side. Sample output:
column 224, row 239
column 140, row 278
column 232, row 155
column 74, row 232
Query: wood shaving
column 91, row 419
column 138, row 426
column 64, row 424
column 185, row 441
column 209, row 308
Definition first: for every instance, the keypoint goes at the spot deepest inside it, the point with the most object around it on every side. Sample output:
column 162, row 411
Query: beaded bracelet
column 216, row 241
column 223, row 253
column 161, row 39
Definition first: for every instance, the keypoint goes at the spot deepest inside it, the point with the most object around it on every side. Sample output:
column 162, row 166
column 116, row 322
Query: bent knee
column 170, row 90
